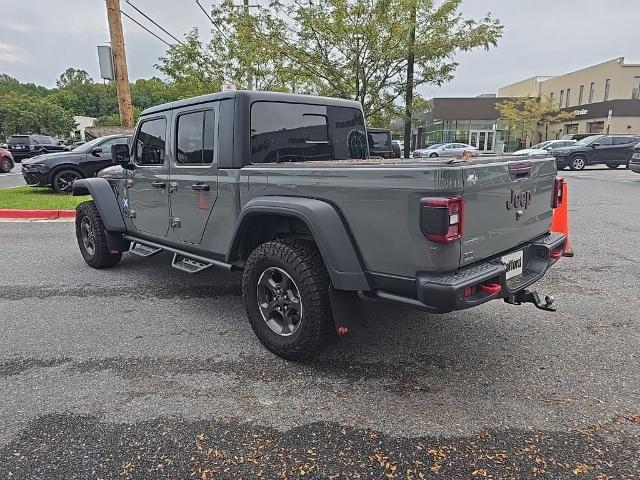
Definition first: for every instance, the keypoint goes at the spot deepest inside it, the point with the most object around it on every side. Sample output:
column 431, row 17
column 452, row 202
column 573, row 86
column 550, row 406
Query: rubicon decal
column 519, row 199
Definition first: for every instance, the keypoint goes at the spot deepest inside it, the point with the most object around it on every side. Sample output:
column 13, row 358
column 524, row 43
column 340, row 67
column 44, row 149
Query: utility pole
column 409, row 94
column 249, row 75
column 120, row 63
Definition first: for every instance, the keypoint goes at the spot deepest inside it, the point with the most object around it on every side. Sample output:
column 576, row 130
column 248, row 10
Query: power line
column 145, row 28
column 211, row 20
column 154, row 22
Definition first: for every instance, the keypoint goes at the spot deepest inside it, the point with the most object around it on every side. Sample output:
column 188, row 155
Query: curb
column 20, row 214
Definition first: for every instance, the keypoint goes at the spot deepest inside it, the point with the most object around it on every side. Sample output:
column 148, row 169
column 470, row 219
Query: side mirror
column 96, row 151
column 120, row 155
column 594, row 145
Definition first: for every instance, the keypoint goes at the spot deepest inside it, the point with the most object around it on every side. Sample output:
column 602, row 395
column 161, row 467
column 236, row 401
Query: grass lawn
column 37, row 199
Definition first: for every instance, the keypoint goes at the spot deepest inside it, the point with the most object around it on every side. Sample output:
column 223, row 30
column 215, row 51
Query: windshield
column 87, row 147
column 588, row 140
column 436, row 145
column 540, row 146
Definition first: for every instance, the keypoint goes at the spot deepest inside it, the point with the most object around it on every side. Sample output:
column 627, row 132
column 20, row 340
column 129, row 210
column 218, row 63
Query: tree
column 73, row 77
column 354, row 49
column 20, row 113
column 527, row 114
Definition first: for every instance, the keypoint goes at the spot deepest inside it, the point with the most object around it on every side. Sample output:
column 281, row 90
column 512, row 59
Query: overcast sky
column 40, row 38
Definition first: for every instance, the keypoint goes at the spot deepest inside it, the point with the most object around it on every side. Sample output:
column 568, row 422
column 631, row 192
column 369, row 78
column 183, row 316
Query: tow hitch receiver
column 526, row 296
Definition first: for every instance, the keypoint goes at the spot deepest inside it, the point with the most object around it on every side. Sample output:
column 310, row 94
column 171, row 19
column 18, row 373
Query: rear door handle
column 158, row 184
column 201, row 187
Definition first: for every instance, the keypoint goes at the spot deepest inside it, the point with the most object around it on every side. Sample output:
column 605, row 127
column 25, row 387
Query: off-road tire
column 5, row 165
column 101, row 257
column 302, row 261
column 613, row 165
column 575, row 164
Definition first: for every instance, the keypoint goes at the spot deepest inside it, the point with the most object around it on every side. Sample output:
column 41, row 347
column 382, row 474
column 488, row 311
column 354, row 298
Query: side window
column 622, row 140
column 195, row 138
column 150, row 143
column 604, row 141
column 106, row 146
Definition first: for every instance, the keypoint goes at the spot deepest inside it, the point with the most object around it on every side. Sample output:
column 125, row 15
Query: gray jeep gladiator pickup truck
column 281, row 187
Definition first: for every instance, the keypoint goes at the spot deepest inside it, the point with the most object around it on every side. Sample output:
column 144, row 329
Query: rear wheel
column 285, row 287
column 5, row 165
column 91, row 237
column 577, row 163
column 63, row 180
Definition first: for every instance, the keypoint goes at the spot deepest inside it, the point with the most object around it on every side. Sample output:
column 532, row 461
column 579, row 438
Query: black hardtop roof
column 253, row 96
column 378, row 129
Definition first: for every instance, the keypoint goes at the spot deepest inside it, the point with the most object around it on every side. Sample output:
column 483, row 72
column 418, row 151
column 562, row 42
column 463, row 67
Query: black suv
column 27, row 146
column 612, row 150
column 380, row 143
column 61, row 169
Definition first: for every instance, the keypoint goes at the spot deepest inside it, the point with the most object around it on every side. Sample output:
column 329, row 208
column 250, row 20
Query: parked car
column 205, row 180
column 577, row 136
column 60, row 170
column 27, row 146
column 611, row 150
column 380, row 142
column 544, row 147
column 634, row 163
column 444, row 150
column 6, row 160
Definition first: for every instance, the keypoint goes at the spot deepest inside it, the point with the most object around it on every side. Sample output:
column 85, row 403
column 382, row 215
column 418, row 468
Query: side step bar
column 185, row 261
column 187, row 264
column 143, row 250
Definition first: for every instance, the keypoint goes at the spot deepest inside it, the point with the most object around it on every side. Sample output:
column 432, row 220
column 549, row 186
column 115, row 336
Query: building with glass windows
column 473, row 121
column 604, row 98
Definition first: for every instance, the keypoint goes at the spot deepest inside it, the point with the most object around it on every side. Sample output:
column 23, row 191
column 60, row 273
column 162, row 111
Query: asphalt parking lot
column 12, row 178
column 145, row 372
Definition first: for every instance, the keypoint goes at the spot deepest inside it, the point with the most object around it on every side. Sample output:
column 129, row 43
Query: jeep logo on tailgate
column 519, row 199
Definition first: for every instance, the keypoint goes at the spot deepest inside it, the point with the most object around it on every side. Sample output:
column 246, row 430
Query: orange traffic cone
column 560, row 220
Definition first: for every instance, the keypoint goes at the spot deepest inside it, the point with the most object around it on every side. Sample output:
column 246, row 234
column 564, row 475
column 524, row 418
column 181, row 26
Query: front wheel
column 63, row 180
column 285, row 287
column 433, row 155
column 92, row 238
column 577, row 163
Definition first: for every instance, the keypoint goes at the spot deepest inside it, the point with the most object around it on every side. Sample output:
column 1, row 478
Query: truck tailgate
column 506, row 203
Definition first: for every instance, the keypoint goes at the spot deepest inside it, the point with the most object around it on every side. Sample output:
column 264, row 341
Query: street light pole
column 409, row 93
column 120, row 63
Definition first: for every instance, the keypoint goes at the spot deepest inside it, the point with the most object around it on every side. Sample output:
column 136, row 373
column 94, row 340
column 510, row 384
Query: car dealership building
column 603, row 97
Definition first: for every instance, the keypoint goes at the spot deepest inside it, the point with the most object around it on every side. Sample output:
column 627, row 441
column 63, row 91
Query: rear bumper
column 445, row 292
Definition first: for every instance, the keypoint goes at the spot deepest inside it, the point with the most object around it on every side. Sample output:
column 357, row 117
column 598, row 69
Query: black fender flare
column 105, row 200
column 328, row 229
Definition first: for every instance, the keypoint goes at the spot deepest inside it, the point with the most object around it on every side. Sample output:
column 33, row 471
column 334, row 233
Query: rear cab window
column 300, row 132
column 379, row 140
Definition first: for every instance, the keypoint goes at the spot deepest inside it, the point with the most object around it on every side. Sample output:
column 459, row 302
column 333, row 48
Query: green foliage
column 72, row 77
column 353, row 49
column 31, row 198
column 526, row 114
column 22, row 113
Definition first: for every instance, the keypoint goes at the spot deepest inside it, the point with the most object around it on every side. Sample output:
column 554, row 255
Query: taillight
column 441, row 219
column 558, row 185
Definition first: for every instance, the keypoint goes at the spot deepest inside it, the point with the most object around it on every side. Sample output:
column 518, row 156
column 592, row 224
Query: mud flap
column 348, row 313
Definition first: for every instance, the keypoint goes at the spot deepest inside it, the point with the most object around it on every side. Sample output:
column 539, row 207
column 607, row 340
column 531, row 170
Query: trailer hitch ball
column 527, row 296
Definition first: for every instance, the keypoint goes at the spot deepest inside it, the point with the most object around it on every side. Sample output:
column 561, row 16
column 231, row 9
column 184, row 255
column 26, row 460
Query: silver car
column 443, row 150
